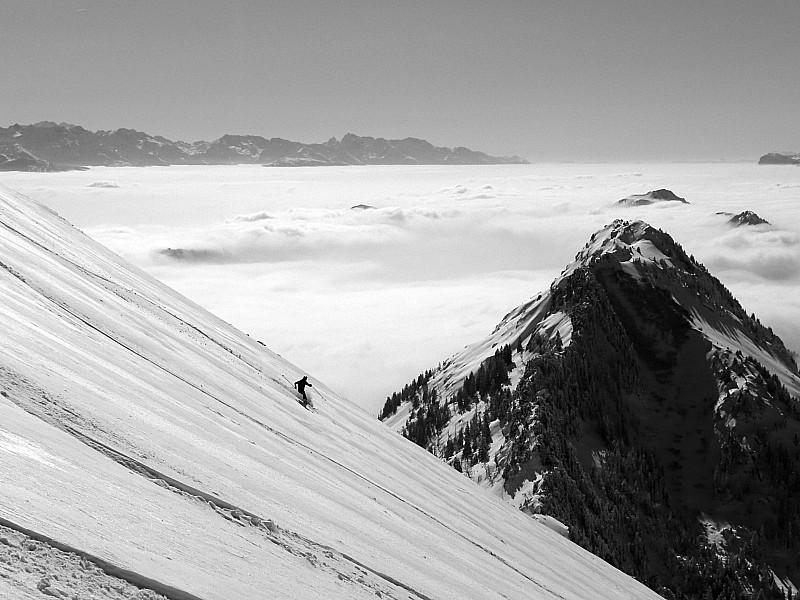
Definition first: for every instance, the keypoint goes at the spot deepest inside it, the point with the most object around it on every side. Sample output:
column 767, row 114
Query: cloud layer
column 366, row 298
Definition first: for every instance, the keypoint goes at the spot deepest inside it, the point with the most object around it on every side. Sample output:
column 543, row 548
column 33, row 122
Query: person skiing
column 301, row 387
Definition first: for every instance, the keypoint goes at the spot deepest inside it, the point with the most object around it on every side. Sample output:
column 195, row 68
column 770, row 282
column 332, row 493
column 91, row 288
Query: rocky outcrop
column 747, row 217
column 780, row 158
column 652, row 197
column 15, row 158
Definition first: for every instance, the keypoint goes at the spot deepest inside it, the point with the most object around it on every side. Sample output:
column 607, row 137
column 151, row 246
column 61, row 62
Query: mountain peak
column 45, row 124
column 747, row 217
column 652, row 197
column 622, row 233
column 627, row 241
column 635, row 379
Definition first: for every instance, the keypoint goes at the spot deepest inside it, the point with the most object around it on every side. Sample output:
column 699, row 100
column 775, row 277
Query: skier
column 301, row 387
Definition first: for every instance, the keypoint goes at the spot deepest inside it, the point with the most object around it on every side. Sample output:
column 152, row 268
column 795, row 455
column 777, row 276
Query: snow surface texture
column 158, row 443
column 50, row 571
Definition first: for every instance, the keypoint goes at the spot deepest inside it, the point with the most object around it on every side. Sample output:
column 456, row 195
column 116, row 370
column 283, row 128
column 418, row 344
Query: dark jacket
column 301, row 385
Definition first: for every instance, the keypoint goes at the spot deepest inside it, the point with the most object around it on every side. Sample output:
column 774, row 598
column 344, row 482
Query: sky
column 550, row 81
column 366, row 300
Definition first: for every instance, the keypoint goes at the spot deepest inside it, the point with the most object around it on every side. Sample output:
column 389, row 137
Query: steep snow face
column 168, row 448
column 518, row 325
column 726, row 338
column 637, row 246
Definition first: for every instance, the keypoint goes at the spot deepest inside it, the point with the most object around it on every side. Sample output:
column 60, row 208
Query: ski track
column 220, row 506
column 286, row 539
column 267, row 427
column 150, row 473
column 56, row 412
column 113, row 339
column 107, row 567
column 217, row 503
column 114, row 291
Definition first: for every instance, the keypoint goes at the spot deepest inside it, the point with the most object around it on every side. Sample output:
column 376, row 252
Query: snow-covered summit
column 624, row 241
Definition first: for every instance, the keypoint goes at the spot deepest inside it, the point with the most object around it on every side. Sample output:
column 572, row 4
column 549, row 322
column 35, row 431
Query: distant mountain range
column 638, row 404
column 49, row 146
column 780, row 158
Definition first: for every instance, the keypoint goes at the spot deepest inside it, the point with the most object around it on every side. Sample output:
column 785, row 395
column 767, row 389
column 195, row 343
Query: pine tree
column 466, row 452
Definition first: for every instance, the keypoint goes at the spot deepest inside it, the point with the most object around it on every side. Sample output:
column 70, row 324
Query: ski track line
column 295, row 442
column 223, row 508
column 395, row 496
column 154, row 475
column 131, row 291
column 117, row 284
column 267, row 427
column 109, row 568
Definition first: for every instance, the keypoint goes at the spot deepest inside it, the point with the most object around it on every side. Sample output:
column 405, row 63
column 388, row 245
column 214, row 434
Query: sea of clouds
column 430, row 259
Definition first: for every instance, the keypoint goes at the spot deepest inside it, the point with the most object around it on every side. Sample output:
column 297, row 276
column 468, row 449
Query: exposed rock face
column 15, row 158
column 780, row 158
column 747, row 217
column 49, row 146
column 652, row 197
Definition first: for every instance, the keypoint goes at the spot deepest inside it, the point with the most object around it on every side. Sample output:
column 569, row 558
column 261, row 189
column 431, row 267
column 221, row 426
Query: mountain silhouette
column 49, row 146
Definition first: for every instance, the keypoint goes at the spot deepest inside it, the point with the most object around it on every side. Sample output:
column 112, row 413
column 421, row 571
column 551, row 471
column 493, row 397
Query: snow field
column 141, row 430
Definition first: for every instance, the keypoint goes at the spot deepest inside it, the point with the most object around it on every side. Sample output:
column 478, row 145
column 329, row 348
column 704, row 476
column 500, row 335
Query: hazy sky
column 547, row 80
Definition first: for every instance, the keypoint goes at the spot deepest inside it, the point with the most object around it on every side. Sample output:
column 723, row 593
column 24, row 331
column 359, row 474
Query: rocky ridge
column 49, row 146
column 780, row 158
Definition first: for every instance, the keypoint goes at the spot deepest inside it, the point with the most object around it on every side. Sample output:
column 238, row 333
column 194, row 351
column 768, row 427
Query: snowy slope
column 142, row 432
